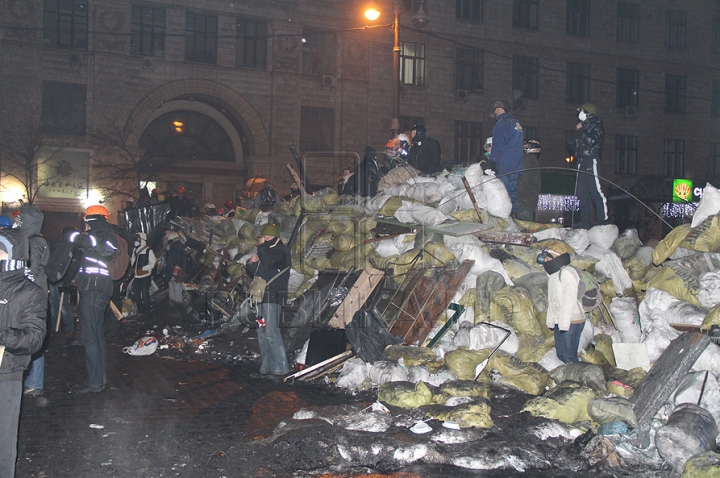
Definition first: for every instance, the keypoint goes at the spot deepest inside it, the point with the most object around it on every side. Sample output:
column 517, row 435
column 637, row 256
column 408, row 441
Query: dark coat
column 274, row 257
column 31, row 223
column 587, row 142
column 426, row 156
column 507, row 146
column 23, row 309
column 98, row 246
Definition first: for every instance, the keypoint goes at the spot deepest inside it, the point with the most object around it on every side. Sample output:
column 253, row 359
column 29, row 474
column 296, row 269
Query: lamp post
column 420, row 20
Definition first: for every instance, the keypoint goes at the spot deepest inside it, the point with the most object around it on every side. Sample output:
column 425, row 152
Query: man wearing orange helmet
column 99, row 245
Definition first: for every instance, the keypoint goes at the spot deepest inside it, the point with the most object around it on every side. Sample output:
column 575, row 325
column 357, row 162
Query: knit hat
column 501, row 104
column 270, row 230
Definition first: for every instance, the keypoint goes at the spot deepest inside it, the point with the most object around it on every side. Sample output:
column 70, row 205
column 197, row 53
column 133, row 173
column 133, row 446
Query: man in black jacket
column 99, row 245
column 586, row 145
column 424, row 154
column 23, row 308
column 272, row 263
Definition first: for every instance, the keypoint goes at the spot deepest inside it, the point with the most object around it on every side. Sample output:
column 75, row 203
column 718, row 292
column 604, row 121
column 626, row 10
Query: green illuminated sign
column 682, row 190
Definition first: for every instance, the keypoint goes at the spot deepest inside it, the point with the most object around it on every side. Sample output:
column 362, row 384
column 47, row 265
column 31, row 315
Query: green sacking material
column 468, row 415
column 366, row 224
column 248, row 215
column 343, row 242
column 516, row 268
column 436, row 254
column 519, row 375
column 286, row 209
column 311, row 203
column 667, row 246
column 593, row 356
column 405, row 394
column 555, row 245
column 318, row 263
column 465, row 388
column 412, row 356
column 462, row 362
column 587, row 374
column 402, row 264
column 392, row 204
column 678, row 281
column 342, row 226
column 486, row 285
column 704, row 237
column 702, row 465
column 618, row 388
column 605, row 410
column 532, row 348
column 516, row 306
column 466, row 215
column 248, row 231
column 234, row 270
column 566, row 404
column 712, row 318
column 630, row 377
column 330, row 199
column 603, row 344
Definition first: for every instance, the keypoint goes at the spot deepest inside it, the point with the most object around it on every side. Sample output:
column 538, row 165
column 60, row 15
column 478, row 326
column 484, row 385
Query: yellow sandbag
column 248, row 215
column 712, row 318
column 532, row 348
column 366, row 224
column 667, row 246
column 343, row 242
column 529, row 226
column 704, row 237
column 127, row 306
column 631, row 378
column 516, row 268
column 635, row 267
column 286, row 209
column 519, row 375
column 566, row 404
column 412, row 356
column 312, row 203
column 516, row 306
column 330, row 199
column 465, row 388
column 466, row 215
column 618, row 388
column 437, row 255
column 392, row 204
column 402, row 264
column 555, row 245
column 593, row 356
column 702, row 465
column 468, row 299
column 462, row 362
column 319, row 263
column 467, row 415
column 603, row 344
column 342, row 226
column 405, row 394
column 676, row 281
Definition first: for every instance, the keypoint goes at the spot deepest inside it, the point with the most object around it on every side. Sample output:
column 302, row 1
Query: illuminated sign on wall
column 682, row 190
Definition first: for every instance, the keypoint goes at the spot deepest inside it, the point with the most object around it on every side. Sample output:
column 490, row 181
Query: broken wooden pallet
column 427, row 302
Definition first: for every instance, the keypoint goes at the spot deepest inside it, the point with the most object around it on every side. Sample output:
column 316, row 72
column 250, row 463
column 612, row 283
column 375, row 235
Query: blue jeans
column 567, row 342
column 10, row 397
column 68, row 321
column 511, row 184
column 36, row 372
column 92, row 315
column 273, row 359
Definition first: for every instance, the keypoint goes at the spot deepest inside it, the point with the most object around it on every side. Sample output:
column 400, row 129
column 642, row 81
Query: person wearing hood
column 367, row 174
column 346, row 183
column 143, row 261
column 30, row 221
column 425, row 154
column 507, row 150
column 23, row 311
column 99, row 244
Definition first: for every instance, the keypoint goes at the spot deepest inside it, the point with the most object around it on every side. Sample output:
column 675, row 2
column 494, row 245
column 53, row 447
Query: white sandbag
column 386, row 371
column 608, row 329
column 578, row 239
column 657, row 338
column 695, row 383
column 626, row 317
column 418, row 213
column 587, row 335
column 554, row 233
column 654, row 306
column 448, row 205
column 709, row 205
column 685, row 314
column 295, row 281
column 500, row 206
column 550, row 361
column 603, row 236
column 486, row 337
column 354, row 372
column 392, row 247
column 470, row 248
column 421, row 373
column 709, row 289
column 709, row 360
column 373, row 205
column 627, row 244
column 610, row 265
column 645, row 254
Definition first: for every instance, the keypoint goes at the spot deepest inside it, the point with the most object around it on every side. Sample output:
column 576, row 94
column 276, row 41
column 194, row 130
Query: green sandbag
column 405, row 394
column 594, row 356
column 566, row 404
column 465, row 388
column 516, row 306
column 586, row 374
column 366, row 224
column 519, row 375
column 712, row 318
column 635, row 267
column 462, row 362
column 702, row 465
column 412, row 356
column 631, row 377
column 603, row 343
column 343, row 242
column 437, row 255
column 705, row 237
column 606, row 410
column 467, row 415
column 667, row 246
column 486, row 285
column 532, row 348
column 342, row 226
column 391, row 206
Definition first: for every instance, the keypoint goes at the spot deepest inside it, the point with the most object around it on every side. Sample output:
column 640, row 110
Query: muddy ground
column 186, row 413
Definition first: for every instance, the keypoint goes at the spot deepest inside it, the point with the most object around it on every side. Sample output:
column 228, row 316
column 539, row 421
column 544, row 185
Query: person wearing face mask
column 586, row 145
column 143, row 262
column 425, row 154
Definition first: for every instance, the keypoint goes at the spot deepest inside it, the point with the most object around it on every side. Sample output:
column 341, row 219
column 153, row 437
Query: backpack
column 118, row 265
column 61, row 255
column 589, row 294
column 267, row 198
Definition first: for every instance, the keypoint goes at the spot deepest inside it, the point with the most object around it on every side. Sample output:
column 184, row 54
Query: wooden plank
column 356, row 297
column 428, row 301
column 503, row 237
column 666, row 374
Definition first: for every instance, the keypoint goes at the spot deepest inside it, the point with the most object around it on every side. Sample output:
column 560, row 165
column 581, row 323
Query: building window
column 628, row 22
column 317, row 129
column 469, row 10
column 577, row 83
column 407, row 122
column 525, row 76
column 674, row 152
column 147, row 31
column 468, row 142
column 251, row 48
column 63, row 108
column 525, row 14
column 675, row 93
column 412, row 63
column 577, row 17
column 676, row 26
column 626, row 152
column 187, row 136
column 716, row 34
column 318, row 52
column 200, row 38
column 715, row 105
column 469, row 70
column 628, row 87
column 715, row 160
column 65, row 23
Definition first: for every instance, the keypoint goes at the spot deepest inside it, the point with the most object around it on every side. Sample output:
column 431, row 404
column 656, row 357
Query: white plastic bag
column 143, row 346
column 626, row 317
column 500, row 205
column 709, row 289
column 709, row 205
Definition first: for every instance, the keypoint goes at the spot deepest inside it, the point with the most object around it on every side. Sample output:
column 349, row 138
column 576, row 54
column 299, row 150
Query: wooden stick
column 472, row 198
column 57, row 324
column 113, row 308
column 312, row 368
column 296, row 178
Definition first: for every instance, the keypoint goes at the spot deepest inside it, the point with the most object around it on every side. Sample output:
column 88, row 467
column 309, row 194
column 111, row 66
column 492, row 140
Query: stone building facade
column 246, row 78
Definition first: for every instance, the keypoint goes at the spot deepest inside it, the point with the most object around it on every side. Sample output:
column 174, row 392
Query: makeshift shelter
column 253, row 186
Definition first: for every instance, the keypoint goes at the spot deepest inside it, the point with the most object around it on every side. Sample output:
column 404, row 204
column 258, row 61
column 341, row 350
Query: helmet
column 228, row 204
column 97, row 210
column 488, row 142
column 533, row 146
column 589, row 108
column 5, row 221
column 181, row 190
column 270, row 230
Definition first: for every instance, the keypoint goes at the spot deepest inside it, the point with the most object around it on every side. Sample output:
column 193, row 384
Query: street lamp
column 420, row 20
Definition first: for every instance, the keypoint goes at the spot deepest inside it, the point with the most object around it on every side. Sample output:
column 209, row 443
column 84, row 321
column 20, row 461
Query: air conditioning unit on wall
column 630, row 111
column 329, row 80
column 149, row 63
column 462, row 95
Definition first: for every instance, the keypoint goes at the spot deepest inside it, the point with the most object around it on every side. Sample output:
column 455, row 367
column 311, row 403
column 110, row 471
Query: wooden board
column 356, row 297
column 427, row 302
column 503, row 237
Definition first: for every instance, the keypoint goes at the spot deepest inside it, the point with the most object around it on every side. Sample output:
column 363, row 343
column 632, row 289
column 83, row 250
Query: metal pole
column 395, row 126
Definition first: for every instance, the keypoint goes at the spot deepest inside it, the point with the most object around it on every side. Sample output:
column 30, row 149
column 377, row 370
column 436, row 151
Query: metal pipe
column 395, row 125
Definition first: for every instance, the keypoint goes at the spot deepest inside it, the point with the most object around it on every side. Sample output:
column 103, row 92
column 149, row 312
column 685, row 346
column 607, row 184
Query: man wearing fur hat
column 143, row 261
column 272, row 263
column 23, row 309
